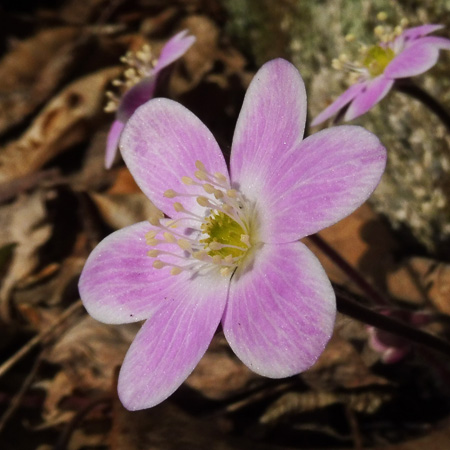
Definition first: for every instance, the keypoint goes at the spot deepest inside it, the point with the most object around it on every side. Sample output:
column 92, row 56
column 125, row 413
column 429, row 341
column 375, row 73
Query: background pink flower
column 411, row 53
column 230, row 252
column 144, row 89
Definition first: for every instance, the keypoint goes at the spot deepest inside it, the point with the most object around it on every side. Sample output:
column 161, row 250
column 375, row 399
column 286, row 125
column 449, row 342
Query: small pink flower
column 144, row 79
column 230, row 252
column 410, row 53
column 394, row 348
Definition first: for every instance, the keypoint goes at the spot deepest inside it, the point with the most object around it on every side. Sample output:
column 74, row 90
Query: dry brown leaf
column 24, row 223
column 66, row 121
column 121, row 210
column 32, row 70
column 220, row 374
column 90, row 351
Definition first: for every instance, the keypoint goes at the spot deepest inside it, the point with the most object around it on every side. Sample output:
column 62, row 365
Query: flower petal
column 422, row 30
column 175, row 48
column 339, row 103
column 112, row 142
column 281, row 310
column 271, row 121
column 436, row 41
column 136, row 96
column 170, row 344
column 414, row 60
column 119, row 283
column 375, row 91
column 327, row 177
column 160, row 144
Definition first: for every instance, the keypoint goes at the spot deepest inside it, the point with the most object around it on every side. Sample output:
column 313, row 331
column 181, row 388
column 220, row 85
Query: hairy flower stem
column 351, row 272
column 408, row 87
column 346, row 304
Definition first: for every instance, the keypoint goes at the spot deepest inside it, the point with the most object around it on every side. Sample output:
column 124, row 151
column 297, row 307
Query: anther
column 215, row 245
column 220, row 177
column 187, row 180
column 170, row 193
column 157, row 264
column 153, row 253
column 200, row 166
column 209, row 188
column 232, row 193
column 382, row 16
column 245, row 239
column 178, row 207
column 200, row 175
column 203, row 201
column 175, row 271
column 184, row 244
column 169, row 237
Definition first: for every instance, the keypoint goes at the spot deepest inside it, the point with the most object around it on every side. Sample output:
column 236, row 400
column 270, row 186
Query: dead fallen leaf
column 67, row 120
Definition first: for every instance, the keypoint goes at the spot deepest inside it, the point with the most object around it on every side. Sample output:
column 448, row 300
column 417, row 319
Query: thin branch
column 39, row 338
column 350, row 271
column 346, row 304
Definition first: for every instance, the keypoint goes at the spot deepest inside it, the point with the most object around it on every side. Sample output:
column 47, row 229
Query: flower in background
column 401, row 53
column 393, row 348
column 139, row 84
column 229, row 252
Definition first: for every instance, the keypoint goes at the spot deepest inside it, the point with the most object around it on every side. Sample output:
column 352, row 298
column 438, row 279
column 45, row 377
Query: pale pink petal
column 175, row 48
column 343, row 100
column 271, row 121
column 436, row 41
column 112, row 142
column 375, row 91
column 170, row 344
column 119, row 283
column 281, row 310
column 160, row 144
column 422, row 30
column 412, row 61
column 135, row 97
column 327, row 177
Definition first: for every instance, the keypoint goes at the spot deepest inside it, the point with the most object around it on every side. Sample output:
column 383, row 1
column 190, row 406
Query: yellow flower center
column 221, row 239
column 377, row 58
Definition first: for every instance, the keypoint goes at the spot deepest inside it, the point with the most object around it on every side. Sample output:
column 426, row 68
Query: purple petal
column 413, row 61
column 436, row 41
column 272, row 119
column 375, row 91
column 323, row 180
column 119, row 283
column 160, row 144
column 112, row 142
column 136, row 96
column 422, row 30
column 170, row 344
column 175, row 48
column 280, row 313
column 339, row 103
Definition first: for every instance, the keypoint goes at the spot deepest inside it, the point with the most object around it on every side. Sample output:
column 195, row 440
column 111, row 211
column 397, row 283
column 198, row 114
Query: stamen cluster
column 139, row 65
column 372, row 60
column 218, row 239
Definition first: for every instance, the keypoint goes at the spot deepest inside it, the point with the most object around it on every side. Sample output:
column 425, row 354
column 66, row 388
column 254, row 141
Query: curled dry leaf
column 300, row 402
column 90, row 351
column 25, row 224
column 32, row 70
column 66, row 121
column 122, row 210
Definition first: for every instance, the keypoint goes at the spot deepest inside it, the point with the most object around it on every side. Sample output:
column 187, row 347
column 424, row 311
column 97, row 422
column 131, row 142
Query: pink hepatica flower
column 229, row 252
column 401, row 54
column 140, row 84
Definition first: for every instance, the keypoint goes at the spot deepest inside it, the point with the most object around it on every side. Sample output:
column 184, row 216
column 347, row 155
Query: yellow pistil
column 377, row 58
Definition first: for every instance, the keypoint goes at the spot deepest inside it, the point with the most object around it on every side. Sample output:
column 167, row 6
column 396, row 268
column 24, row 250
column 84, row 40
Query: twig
column 347, row 305
column 39, row 338
column 17, row 399
column 406, row 86
column 351, row 272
